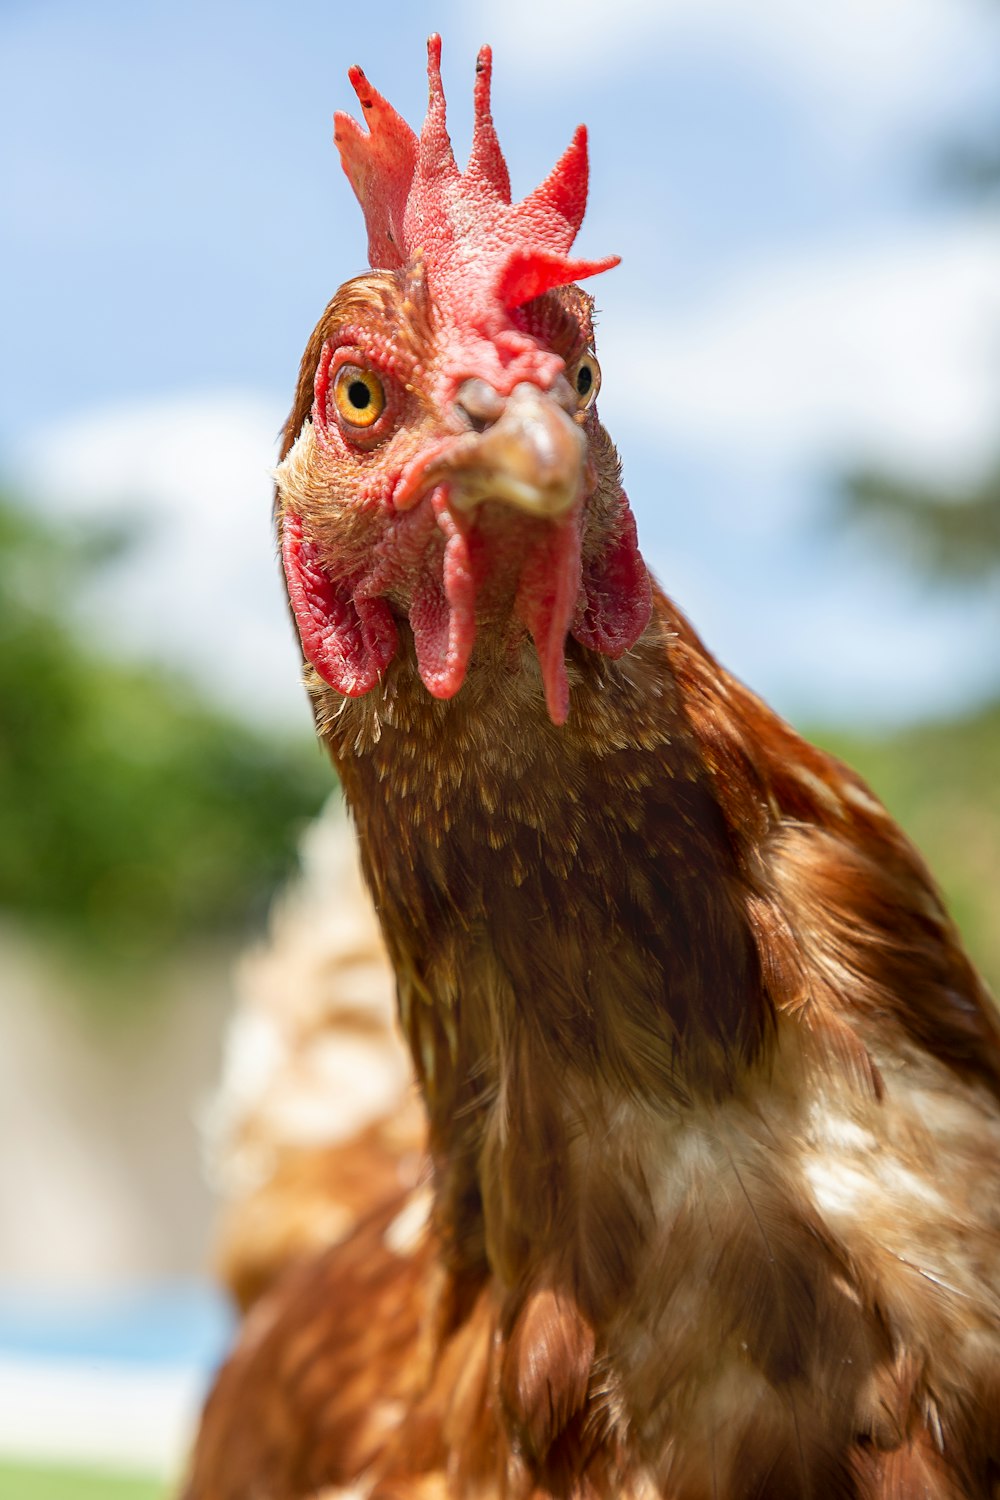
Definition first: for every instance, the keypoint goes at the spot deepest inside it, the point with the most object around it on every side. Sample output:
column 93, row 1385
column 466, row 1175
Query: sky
column 795, row 296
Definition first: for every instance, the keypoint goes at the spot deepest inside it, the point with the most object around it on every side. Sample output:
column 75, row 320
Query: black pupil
column 358, row 395
column 584, row 379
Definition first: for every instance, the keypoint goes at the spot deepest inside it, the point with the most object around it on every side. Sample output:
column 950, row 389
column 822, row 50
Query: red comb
column 483, row 255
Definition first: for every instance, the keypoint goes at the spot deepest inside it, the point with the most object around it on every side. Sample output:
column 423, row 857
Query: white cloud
column 886, row 349
column 875, row 59
column 202, row 589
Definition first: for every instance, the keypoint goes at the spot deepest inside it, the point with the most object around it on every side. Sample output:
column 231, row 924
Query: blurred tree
column 972, row 167
column 952, row 532
column 941, row 780
column 133, row 817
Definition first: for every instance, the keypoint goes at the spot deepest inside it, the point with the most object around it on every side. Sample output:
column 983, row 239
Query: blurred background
column 801, row 356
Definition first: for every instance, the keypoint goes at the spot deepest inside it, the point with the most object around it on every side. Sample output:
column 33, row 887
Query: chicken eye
column 359, row 396
column 586, row 381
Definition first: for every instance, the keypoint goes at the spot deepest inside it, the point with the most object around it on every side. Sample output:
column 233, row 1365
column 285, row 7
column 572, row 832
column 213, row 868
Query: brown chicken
column 712, row 1198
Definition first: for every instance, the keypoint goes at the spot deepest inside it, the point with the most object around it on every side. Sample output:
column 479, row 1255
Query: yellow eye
column 586, row 380
column 359, row 396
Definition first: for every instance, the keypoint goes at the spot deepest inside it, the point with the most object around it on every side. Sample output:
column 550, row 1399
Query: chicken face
column 453, row 474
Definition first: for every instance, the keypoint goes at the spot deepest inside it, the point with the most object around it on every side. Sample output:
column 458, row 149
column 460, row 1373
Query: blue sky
column 792, row 296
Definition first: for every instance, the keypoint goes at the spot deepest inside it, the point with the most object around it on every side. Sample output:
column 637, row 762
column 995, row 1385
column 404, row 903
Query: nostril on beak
column 478, row 404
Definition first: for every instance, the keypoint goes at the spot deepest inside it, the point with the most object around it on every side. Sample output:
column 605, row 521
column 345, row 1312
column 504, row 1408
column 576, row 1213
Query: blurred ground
column 98, row 1118
column 19, row 1482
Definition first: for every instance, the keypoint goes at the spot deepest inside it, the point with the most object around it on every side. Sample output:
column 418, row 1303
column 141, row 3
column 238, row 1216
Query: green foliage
column 132, row 816
column 942, row 783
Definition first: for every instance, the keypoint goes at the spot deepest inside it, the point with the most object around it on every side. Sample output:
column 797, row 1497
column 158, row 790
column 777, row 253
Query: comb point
column 484, row 256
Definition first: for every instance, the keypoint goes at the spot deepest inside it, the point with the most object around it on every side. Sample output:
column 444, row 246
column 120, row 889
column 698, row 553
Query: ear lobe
column 616, row 599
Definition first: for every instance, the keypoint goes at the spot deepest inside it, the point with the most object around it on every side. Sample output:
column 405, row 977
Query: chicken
column 712, row 1198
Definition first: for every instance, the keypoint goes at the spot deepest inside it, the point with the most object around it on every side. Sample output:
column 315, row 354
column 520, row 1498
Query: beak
column 528, row 452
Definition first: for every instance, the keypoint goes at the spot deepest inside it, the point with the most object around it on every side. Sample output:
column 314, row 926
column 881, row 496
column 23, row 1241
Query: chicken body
column 712, row 1202
column 715, row 1193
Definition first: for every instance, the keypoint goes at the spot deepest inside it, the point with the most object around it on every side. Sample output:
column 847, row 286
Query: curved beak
column 529, row 453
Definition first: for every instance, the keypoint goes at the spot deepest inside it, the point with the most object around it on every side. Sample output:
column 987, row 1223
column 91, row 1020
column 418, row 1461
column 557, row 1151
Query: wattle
column 349, row 634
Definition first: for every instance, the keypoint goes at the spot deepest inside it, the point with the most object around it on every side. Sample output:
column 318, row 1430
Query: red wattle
column 348, row 637
column 546, row 598
column 443, row 612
